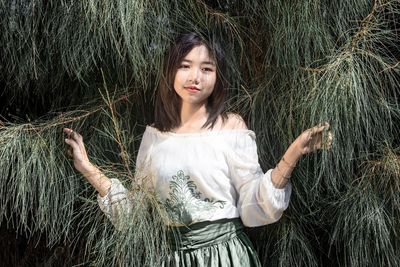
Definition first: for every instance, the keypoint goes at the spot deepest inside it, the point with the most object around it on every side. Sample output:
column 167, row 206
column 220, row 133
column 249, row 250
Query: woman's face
column 196, row 76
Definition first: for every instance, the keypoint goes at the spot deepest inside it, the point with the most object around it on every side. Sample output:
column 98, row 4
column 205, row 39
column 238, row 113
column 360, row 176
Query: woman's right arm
column 113, row 198
column 82, row 163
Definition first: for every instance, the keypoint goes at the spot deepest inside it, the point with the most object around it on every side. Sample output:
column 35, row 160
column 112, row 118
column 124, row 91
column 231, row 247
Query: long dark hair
column 168, row 102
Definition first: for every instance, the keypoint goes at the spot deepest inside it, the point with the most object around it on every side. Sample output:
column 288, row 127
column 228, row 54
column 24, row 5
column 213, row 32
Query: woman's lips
column 192, row 89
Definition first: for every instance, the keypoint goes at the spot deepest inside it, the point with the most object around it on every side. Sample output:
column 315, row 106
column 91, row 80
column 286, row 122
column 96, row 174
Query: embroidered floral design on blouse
column 185, row 203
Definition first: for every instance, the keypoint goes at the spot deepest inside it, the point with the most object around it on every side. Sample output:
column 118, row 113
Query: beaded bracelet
column 291, row 166
column 286, row 177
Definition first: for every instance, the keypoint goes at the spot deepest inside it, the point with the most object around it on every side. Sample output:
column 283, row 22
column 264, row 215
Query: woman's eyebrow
column 208, row 63
column 203, row 62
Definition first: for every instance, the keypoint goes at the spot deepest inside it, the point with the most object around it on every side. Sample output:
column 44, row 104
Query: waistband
column 204, row 234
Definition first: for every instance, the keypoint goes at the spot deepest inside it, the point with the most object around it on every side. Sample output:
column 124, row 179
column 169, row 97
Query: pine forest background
column 94, row 65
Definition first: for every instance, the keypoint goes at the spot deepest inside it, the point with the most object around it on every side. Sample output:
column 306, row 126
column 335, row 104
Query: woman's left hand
column 311, row 140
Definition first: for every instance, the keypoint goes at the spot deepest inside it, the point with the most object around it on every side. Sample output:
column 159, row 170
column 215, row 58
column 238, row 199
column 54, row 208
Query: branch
column 60, row 120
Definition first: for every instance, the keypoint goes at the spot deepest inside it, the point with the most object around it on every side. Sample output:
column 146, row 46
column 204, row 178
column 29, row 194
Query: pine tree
column 94, row 65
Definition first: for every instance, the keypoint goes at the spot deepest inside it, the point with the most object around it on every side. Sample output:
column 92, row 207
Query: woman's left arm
column 308, row 141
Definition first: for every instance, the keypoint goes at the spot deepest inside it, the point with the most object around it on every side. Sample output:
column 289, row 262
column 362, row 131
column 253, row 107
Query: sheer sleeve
column 259, row 201
column 118, row 203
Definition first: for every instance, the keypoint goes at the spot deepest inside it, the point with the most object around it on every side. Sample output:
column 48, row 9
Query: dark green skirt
column 219, row 243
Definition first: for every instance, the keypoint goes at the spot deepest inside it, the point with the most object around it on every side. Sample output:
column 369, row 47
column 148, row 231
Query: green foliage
column 35, row 181
column 142, row 241
column 292, row 64
column 367, row 226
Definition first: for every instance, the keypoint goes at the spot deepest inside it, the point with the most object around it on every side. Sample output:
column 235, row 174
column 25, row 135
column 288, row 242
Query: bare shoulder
column 234, row 122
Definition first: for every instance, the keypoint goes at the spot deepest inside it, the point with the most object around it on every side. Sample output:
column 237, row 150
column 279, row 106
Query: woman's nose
column 194, row 76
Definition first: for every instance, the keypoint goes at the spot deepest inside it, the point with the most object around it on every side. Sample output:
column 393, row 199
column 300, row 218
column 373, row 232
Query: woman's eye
column 207, row 69
column 184, row 66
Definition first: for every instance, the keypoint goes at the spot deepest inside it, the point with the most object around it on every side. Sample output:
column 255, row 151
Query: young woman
column 203, row 163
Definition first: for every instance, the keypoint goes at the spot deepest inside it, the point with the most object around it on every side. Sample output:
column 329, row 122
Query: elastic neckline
column 205, row 133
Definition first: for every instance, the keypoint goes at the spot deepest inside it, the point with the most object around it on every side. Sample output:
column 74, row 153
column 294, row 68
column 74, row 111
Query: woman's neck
column 192, row 117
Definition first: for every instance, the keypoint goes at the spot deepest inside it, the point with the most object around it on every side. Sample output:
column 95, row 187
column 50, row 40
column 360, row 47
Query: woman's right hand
column 81, row 162
column 78, row 152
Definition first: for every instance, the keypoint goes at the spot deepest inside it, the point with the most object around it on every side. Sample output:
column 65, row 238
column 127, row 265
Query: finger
column 72, row 143
column 77, row 136
column 327, row 125
column 68, row 131
column 319, row 129
column 74, row 135
column 330, row 139
column 82, row 147
column 327, row 143
column 71, row 133
column 79, row 140
column 315, row 133
column 69, row 152
column 330, row 136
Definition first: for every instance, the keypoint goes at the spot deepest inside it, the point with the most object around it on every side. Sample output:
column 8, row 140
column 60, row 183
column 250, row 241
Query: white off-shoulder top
column 204, row 176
